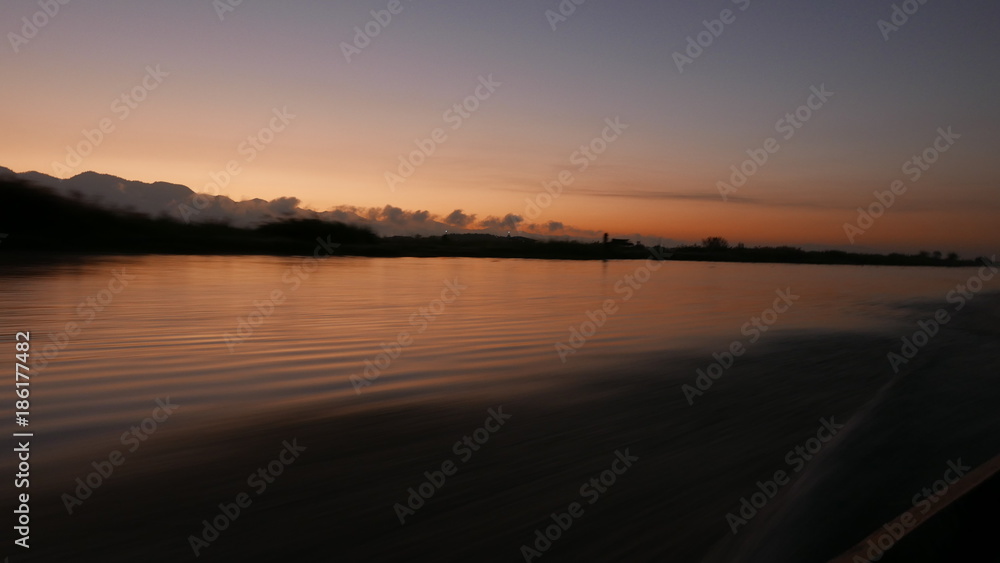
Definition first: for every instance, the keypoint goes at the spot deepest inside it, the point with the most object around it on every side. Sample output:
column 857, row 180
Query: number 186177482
column 21, row 380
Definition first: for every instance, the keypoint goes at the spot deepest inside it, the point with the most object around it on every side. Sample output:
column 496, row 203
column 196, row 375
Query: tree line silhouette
column 39, row 220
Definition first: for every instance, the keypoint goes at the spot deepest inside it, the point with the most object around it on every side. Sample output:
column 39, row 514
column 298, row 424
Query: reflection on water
column 225, row 336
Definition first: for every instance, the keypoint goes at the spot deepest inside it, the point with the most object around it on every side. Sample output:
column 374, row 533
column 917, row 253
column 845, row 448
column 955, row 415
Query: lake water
column 164, row 334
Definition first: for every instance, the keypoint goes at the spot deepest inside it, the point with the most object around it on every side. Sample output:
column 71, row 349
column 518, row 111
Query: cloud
column 284, row 205
column 459, row 219
column 557, row 229
column 510, row 221
column 393, row 215
column 710, row 196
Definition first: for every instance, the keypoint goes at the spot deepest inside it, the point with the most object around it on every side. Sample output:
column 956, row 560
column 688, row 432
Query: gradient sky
column 608, row 59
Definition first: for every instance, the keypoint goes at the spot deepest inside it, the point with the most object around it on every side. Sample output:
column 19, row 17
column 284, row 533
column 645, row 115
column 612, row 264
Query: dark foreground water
column 351, row 381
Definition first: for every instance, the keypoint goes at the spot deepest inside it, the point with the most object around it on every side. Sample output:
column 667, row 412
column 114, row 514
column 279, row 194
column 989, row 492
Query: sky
column 327, row 102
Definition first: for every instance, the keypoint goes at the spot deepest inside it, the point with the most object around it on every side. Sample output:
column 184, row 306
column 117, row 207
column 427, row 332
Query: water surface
column 165, row 333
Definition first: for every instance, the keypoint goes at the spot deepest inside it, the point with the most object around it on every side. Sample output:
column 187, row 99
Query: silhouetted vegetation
column 36, row 219
column 715, row 243
column 716, row 249
column 310, row 229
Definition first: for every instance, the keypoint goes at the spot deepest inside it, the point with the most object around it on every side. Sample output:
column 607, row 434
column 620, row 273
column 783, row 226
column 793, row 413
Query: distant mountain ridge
column 163, row 198
column 179, row 202
column 159, row 199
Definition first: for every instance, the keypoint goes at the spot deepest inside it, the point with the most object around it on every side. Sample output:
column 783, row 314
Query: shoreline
column 30, row 256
